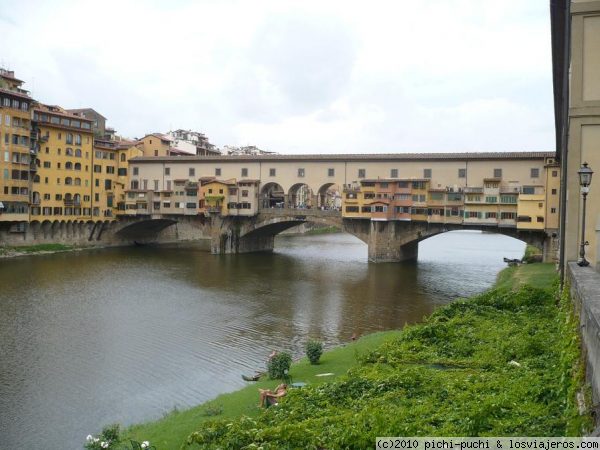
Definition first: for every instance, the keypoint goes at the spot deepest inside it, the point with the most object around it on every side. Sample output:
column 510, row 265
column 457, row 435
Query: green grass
column 38, row 248
column 451, row 375
column 538, row 275
column 172, row 430
column 322, row 230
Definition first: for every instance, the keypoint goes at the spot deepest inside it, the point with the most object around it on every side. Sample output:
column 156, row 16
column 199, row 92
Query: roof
column 159, row 135
column 83, row 110
column 560, row 33
column 15, row 93
column 474, row 156
column 10, row 74
column 55, row 109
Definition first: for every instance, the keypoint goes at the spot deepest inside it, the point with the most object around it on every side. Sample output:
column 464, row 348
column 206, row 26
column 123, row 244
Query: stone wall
column 585, row 292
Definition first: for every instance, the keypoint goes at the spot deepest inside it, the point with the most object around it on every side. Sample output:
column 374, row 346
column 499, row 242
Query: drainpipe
column 564, row 142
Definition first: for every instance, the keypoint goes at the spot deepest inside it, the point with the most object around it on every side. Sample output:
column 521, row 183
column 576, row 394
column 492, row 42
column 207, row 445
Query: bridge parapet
column 300, row 212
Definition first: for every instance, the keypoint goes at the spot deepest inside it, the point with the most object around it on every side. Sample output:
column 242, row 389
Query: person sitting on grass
column 269, row 397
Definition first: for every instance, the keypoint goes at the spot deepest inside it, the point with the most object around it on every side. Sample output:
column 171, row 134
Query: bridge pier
column 394, row 241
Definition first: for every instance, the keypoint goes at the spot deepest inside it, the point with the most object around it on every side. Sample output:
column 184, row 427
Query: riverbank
column 39, row 249
column 504, row 362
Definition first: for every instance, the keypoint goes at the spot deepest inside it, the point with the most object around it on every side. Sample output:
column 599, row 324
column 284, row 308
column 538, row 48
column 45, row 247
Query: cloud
column 311, row 76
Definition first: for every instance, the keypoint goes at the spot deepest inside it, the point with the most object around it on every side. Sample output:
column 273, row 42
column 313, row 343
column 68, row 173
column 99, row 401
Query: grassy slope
column 172, row 430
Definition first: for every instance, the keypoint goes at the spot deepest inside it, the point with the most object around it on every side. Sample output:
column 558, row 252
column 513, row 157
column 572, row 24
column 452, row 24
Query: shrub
column 314, row 350
column 279, row 365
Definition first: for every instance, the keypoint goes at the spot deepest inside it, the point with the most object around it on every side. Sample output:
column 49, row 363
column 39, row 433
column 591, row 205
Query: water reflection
column 123, row 335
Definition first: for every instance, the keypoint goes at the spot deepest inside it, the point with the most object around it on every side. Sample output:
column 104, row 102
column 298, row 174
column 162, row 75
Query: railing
column 300, row 212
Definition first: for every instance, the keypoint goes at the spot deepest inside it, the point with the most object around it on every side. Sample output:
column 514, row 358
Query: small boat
column 512, row 262
column 255, row 377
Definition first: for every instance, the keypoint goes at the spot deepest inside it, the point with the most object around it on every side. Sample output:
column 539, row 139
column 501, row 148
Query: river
column 127, row 334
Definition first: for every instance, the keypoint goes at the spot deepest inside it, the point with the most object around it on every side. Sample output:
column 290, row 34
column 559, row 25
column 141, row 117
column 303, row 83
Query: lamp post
column 585, row 179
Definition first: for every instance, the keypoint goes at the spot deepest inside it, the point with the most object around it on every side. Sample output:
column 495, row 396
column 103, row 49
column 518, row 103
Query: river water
column 127, row 334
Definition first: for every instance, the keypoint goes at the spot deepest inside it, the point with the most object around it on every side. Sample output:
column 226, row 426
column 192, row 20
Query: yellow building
column 125, row 151
column 531, row 208
column 214, row 196
column 64, row 186
column 18, row 149
column 155, row 144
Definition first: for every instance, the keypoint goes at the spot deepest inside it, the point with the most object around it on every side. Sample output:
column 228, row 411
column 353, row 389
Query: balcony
column 473, row 190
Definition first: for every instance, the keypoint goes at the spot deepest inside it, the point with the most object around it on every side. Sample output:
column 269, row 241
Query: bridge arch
column 272, row 195
column 329, row 196
column 144, row 229
column 300, row 195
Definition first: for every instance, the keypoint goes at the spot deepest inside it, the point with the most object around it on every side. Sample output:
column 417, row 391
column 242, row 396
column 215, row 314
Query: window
column 122, row 172
column 69, row 151
column 244, row 193
column 107, row 185
column 69, row 139
column 508, row 199
column 156, row 185
column 362, row 173
column 491, row 215
column 553, row 210
column 554, row 173
column 78, row 152
column 535, row 173
column 462, row 173
column 244, row 172
column 167, row 171
column 155, row 152
column 97, row 182
column 497, row 173
column 77, row 166
column 540, row 219
column 426, row 173
column 97, row 168
column 301, row 172
column 110, row 169
column 394, row 173
column 192, row 172
column 136, row 171
column 46, row 164
column 553, row 191
column 77, row 139
column 508, row 216
column 528, row 190
column 217, row 172
column 123, row 157
column 330, row 172
column 493, row 199
column 77, row 181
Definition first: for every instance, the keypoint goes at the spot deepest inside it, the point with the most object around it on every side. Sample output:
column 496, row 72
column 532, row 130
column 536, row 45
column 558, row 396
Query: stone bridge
column 388, row 241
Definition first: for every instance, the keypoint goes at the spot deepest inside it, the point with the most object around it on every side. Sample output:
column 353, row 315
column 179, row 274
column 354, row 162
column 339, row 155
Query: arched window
column 36, row 179
column 77, row 181
column 78, row 152
column 69, row 180
column 122, row 157
column 77, row 166
column 69, row 165
column 77, row 139
column 69, row 151
column 77, row 199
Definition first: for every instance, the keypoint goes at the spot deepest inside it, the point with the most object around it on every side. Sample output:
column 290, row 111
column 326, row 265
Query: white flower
column 89, row 438
column 96, row 439
column 104, row 444
column 145, row 444
column 514, row 363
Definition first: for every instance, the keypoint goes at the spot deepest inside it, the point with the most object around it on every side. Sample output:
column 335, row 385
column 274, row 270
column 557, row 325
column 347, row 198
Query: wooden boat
column 255, row 377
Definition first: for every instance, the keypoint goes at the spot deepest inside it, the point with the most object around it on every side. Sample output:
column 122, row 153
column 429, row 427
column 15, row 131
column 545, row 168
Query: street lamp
column 585, row 179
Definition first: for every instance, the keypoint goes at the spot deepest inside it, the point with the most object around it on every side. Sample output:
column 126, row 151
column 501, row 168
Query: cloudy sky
column 307, row 76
